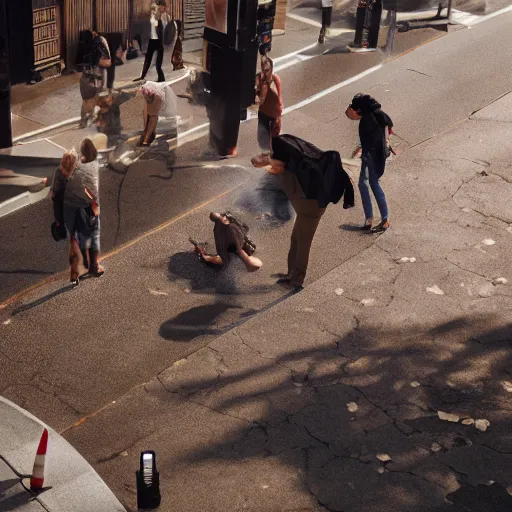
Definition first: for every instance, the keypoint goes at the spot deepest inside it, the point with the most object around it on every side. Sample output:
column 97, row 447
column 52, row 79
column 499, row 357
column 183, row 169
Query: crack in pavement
column 419, row 72
column 465, row 269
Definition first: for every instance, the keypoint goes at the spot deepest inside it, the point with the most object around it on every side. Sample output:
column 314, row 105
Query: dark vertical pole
column 5, row 81
column 94, row 15
column 131, row 7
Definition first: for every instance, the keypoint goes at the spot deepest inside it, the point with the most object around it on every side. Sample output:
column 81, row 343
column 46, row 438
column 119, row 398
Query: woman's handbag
column 104, row 62
column 86, row 221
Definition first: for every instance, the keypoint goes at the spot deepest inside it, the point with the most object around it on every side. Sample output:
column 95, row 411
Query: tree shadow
column 356, row 418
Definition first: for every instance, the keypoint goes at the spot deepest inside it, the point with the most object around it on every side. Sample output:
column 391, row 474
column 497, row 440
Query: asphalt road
column 69, row 353
column 149, row 194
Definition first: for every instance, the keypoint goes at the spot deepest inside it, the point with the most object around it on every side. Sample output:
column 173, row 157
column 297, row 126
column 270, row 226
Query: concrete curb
column 71, row 483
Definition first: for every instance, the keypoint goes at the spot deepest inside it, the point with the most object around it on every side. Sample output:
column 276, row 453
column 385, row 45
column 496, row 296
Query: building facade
column 43, row 35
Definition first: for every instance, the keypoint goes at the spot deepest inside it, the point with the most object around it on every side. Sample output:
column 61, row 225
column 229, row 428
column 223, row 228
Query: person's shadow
column 197, row 321
column 202, row 276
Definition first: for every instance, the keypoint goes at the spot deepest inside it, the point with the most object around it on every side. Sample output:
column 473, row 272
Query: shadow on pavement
column 42, row 300
column 197, row 321
column 360, row 427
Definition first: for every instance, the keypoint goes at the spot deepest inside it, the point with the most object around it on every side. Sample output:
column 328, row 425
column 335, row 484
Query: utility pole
column 5, row 81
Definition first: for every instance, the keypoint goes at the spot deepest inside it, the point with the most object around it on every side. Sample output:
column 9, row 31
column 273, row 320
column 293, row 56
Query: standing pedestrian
column 311, row 178
column 374, row 126
column 268, row 92
column 101, row 57
column 326, row 20
column 155, row 42
column 177, row 53
column 90, row 246
column 75, row 205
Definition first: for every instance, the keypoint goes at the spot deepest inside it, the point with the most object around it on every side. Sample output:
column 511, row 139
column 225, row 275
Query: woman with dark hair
column 90, row 245
column 374, row 127
column 268, row 94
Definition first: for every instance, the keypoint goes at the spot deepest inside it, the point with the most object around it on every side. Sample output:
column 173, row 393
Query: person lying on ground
column 311, row 178
column 230, row 237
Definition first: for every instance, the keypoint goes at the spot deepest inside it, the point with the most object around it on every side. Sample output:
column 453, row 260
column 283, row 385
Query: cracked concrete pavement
column 332, row 399
column 337, row 398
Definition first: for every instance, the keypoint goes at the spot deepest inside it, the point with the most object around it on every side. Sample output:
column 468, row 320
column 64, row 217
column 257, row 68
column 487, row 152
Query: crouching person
column 230, row 237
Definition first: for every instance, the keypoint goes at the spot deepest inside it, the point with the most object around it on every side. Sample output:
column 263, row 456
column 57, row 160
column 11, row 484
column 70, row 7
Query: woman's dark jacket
column 372, row 131
column 320, row 173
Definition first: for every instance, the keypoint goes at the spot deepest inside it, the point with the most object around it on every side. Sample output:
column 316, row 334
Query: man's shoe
column 260, row 161
column 138, row 79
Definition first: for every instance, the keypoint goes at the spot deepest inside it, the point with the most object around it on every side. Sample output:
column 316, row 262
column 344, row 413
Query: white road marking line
column 55, row 144
column 303, row 19
column 465, row 18
column 284, row 57
column 202, row 130
column 330, row 90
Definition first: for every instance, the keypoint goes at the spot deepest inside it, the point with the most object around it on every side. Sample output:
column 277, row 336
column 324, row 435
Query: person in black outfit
column 375, row 126
column 156, row 42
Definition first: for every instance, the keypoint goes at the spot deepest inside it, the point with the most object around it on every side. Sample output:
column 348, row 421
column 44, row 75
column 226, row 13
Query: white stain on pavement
column 486, row 290
column 482, row 425
column 367, row 302
column 488, row 241
column 500, row 280
column 339, row 291
column 435, row 290
column 446, row 416
column 405, row 259
column 157, row 292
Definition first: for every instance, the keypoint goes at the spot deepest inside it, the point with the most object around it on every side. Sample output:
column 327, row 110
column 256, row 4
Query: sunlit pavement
column 335, row 398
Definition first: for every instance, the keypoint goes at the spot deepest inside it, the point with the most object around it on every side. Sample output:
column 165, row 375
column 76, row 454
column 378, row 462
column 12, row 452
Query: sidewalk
column 70, row 484
column 383, row 386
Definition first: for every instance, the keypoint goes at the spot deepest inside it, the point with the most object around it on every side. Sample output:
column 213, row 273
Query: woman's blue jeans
column 368, row 179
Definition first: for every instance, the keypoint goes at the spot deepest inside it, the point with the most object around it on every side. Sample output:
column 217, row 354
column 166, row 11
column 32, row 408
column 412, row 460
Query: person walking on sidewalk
column 373, row 127
column 326, row 20
column 75, row 205
column 156, row 41
column 311, row 178
column 268, row 93
column 90, row 246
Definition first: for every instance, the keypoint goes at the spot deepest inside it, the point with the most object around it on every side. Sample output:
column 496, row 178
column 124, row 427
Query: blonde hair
column 68, row 162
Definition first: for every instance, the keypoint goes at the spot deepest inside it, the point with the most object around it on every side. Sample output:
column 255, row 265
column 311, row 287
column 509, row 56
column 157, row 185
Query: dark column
column 5, row 82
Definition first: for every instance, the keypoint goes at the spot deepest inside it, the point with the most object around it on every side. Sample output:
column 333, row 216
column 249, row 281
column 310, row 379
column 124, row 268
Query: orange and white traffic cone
column 37, row 478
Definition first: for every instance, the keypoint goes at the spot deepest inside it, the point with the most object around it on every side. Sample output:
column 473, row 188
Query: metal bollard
column 148, row 482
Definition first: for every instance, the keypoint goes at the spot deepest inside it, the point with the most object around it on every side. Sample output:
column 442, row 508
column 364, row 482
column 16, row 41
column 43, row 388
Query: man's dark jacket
column 320, row 173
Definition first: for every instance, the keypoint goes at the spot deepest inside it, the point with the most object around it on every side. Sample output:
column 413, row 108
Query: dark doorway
column 21, row 40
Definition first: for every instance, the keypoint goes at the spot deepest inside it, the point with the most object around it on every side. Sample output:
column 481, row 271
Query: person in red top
column 268, row 90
